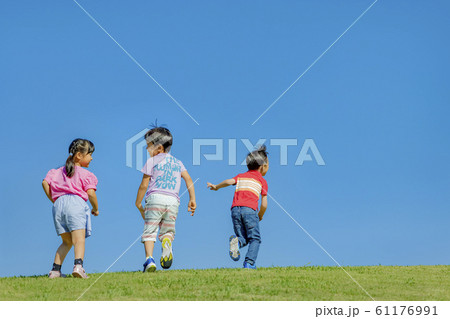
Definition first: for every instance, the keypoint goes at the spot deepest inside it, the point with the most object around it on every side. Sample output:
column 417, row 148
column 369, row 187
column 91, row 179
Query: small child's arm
column 93, row 200
column 47, row 190
column 190, row 186
column 141, row 193
column 225, row 183
column 263, row 207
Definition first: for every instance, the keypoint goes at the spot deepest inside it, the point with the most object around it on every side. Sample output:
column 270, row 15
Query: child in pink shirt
column 68, row 188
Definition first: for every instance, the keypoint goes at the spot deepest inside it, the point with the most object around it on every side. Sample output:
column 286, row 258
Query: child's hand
column 212, row 186
column 192, row 206
column 95, row 212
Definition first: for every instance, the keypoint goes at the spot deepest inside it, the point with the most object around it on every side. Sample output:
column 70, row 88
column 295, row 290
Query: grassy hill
column 276, row 283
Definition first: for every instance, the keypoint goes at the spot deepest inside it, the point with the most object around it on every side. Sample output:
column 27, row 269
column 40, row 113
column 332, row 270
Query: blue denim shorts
column 70, row 212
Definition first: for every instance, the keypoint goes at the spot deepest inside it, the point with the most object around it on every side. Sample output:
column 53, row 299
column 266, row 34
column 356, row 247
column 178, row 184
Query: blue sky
column 376, row 105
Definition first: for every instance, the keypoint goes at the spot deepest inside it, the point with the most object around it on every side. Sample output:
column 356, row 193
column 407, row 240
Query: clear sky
column 376, row 105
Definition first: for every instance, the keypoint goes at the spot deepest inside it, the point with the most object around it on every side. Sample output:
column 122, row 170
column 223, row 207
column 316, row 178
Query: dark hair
column 77, row 145
column 257, row 158
column 159, row 135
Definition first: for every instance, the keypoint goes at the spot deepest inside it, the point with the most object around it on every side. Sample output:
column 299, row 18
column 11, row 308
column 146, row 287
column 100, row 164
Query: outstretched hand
column 212, row 186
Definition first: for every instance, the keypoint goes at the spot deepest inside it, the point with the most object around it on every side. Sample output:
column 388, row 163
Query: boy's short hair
column 257, row 158
column 160, row 136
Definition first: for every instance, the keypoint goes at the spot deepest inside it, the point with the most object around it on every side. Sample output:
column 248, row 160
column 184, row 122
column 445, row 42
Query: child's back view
column 162, row 177
column 244, row 213
column 69, row 187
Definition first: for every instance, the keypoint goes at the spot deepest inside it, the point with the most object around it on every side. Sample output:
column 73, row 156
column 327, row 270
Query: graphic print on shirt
column 249, row 184
column 165, row 177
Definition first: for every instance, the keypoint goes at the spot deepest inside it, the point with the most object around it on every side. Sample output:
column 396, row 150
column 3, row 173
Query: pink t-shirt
column 78, row 184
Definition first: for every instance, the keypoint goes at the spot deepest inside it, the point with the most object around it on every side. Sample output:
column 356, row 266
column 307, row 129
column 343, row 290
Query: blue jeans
column 246, row 227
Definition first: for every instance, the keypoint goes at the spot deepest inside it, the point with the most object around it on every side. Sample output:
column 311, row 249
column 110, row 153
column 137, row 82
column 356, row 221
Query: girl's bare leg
column 78, row 240
column 64, row 248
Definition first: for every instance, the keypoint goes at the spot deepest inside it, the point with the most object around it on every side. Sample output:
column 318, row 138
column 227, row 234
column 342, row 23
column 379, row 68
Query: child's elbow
column 91, row 192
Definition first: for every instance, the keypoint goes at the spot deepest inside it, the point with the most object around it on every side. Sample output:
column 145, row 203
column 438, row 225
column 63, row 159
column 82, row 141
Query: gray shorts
column 70, row 212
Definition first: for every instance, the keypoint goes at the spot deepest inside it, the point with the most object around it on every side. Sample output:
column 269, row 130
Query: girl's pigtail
column 70, row 166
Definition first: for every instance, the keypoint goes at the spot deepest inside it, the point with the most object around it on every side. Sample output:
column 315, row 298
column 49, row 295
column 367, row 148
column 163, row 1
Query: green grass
column 276, row 283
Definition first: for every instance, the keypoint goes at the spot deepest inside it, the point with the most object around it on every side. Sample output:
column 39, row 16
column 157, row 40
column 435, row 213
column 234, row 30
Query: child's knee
column 258, row 240
column 254, row 236
column 67, row 239
column 78, row 239
column 68, row 242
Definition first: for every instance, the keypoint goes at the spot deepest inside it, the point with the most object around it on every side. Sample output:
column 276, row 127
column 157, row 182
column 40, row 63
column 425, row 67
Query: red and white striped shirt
column 249, row 186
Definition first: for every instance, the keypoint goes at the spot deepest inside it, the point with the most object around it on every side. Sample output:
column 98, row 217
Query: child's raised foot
column 149, row 265
column 79, row 272
column 166, row 256
column 234, row 248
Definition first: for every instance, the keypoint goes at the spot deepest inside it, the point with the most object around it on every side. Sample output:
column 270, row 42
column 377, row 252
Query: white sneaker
column 234, row 248
column 79, row 272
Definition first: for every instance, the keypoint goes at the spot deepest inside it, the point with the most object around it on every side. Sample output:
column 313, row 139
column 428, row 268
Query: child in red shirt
column 244, row 214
